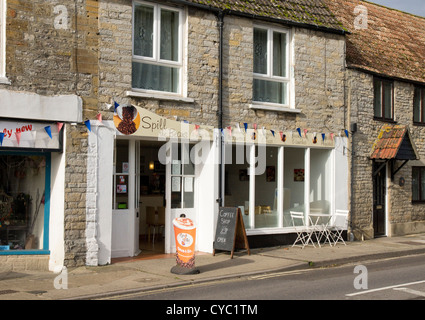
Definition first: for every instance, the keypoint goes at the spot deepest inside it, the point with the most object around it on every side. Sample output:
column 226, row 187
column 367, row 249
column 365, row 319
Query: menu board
column 230, row 230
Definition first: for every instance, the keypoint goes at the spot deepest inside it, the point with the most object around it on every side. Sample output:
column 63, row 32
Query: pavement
column 134, row 276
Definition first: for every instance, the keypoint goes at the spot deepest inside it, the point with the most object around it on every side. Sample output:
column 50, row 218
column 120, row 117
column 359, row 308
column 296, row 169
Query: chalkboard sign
column 230, row 231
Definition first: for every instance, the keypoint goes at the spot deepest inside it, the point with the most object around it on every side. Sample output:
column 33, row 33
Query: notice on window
column 188, row 184
column 175, row 167
column 175, row 184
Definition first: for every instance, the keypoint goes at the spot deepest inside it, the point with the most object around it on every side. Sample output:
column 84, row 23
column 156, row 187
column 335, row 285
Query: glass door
column 181, row 189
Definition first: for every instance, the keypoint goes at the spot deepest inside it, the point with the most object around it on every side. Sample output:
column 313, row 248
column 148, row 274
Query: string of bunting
column 18, row 134
column 301, row 132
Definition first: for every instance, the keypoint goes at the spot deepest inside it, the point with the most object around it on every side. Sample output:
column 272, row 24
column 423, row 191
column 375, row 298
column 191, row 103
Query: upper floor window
column 157, row 48
column 419, row 105
column 383, row 103
column 271, row 66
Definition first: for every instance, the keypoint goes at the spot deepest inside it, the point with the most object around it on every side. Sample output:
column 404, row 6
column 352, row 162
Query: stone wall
column 402, row 213
column 52, row 49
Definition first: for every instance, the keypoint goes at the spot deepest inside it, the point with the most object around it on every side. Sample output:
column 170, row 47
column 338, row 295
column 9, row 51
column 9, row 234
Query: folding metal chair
column 304, row 232
column 340, row 223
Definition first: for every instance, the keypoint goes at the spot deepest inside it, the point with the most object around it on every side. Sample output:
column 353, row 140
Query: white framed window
column 272, row 74
column 3, row 78
column 157, row 48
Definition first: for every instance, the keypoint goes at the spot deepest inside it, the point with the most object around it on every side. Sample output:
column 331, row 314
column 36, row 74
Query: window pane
column 169, row 46
column 260, row 51
column 377, row 98
column 279, row 54
column 415, row 184
column 143, row 31
column 388, row 100
column 266, row 214
column 270, row 91
column 160, row 78
column 22, row 195
column 417, row 105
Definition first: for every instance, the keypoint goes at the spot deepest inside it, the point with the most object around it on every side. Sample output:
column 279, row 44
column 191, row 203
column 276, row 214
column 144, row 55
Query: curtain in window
column 143, row 31
column 279, row 54
column 260, row 51
column 169, row 45
column 270, row 91
column 153, row 77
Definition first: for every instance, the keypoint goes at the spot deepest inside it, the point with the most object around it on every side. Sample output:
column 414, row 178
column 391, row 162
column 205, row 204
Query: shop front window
column 183, row 179
column 24, row 201
column 266, row 192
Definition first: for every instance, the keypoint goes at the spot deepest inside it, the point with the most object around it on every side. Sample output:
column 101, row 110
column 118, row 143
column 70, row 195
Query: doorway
column 152, row 203
column 379, row 198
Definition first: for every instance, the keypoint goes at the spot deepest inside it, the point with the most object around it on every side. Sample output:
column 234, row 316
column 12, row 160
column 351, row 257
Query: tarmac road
column 389, row 279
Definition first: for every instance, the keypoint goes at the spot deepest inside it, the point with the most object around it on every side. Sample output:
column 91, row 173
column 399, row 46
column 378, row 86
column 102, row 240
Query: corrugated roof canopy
column 394, row 142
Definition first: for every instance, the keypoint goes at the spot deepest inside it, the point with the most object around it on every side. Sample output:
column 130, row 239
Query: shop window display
column 22, row 199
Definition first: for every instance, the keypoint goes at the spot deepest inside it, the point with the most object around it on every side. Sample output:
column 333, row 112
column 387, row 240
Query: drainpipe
column 220, row 16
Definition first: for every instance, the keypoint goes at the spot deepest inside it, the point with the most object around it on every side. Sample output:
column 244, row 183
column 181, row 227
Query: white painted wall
column 57, row 210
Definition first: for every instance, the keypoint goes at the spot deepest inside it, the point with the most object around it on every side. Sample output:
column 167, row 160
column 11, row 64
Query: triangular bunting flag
column 346, row 132
column 18, row 137
column 305, row 133
column 99, row 117
column 60, row 125
column 230, row 130
column 299, row 131
column 116, row 105
column 196, row 126
column 246, row 126
column 87, row 123
column 1, row 138
column 332, row 136
column 255, row 126
column 323, row 137
column 272, row 132
column 49, row 131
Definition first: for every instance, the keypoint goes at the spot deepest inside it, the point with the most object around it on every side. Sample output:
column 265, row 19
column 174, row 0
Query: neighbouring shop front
column 164, row 168
column 32, row 178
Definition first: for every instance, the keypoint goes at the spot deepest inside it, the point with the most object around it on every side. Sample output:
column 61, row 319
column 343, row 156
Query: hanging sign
column 30, row 135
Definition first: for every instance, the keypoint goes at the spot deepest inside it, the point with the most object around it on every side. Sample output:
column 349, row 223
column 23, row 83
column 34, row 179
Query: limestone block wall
column 404, row 217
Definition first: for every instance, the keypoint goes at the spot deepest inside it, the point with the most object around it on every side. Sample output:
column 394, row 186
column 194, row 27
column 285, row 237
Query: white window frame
column 3, row 79
column 156, row 60
column 290, row 105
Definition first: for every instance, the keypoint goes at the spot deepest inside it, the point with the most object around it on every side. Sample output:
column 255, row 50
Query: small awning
column 394, row 143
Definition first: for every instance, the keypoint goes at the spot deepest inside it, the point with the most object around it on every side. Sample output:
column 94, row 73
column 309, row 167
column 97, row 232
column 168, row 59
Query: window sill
column 419, row 124
column 4, row 80
column 273, row 108
column 159, row 96
column 384, row 120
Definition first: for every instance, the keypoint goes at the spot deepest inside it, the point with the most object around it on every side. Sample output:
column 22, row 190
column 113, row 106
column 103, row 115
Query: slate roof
column 392, row 45
column 311, row 13
column 394, row 142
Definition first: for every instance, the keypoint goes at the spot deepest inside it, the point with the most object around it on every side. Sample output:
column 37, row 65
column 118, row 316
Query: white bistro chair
column 340, row 223
column 303, row 231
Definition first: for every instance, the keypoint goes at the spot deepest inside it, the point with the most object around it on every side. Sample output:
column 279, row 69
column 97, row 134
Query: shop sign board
column 230, row 231
column 30, row 135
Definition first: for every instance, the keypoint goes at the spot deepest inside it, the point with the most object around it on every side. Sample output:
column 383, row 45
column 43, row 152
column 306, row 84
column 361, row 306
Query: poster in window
column 298, row 174
column 121, row 188
column 125, row 167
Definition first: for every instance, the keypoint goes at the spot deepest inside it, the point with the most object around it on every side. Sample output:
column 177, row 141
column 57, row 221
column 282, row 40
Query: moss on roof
column 306, row 12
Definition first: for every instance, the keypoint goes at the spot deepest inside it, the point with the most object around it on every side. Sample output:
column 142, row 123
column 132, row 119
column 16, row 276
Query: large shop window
column 24, row 202
column 271, row 61
column 157, row 48
column 279, row 183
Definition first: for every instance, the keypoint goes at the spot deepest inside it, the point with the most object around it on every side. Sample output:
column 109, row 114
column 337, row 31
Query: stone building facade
column 384, row 45
column 84, row 49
